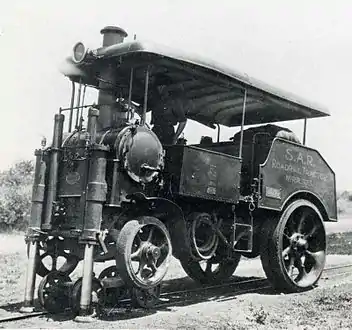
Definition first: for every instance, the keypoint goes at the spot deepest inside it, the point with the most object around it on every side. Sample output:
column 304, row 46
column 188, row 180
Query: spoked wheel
column 211, row 271
column 97, row 296
column 115, row 289
column 294, row 249
column 52, row 292
column 143, row 252
column 204, row 241
column 145, row 298
column 52, row 257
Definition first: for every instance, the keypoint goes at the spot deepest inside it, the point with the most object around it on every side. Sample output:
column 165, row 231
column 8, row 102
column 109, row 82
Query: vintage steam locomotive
column 109, row 190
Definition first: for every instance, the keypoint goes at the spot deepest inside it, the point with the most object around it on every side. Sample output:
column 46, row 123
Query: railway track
column 175, row 298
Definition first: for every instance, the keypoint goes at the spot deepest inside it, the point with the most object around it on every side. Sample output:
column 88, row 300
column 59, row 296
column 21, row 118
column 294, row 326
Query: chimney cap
column 115, row 29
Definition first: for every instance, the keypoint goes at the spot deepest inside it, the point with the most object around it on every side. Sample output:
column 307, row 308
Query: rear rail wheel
column 53, row 292
column 212, row 271
column 144, row 252
column 294, row 247
column 145, row 298
column 115, row 289
column 97, row 296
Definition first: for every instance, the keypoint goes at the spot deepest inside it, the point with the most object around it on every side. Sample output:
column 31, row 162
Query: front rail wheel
column 143, row 252
column 213, row 271
column 294, row 248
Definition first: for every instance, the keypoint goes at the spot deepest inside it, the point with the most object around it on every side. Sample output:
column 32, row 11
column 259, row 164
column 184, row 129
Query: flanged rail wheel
column 145, row 298
column 97, row 295
column 143, row 252
column 211, row 271
column 52, row 292
column 294, row 249
column 113, row 294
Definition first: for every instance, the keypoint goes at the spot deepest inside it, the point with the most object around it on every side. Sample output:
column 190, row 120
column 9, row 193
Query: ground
column 326, row 307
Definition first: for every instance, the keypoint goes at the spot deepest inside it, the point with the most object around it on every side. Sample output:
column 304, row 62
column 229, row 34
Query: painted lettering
column 310, row 160
column 297, row 180
column 288, row 155
column 300, row 158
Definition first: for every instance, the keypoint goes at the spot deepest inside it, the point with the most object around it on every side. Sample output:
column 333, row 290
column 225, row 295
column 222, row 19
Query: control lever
column 101, row 238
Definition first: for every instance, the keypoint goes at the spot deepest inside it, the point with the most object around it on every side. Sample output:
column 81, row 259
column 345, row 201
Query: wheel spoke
column 153, row 267
column 54, row 264
column 208, row 268
column 311, row 232
column 135, row 256
column 301, row 222
column 150, row 234
column 318, row 257
column 142, row 263
column 139, row 241
column 164, row 247
column 291, row 266
column 286, row 251
column 301, row 268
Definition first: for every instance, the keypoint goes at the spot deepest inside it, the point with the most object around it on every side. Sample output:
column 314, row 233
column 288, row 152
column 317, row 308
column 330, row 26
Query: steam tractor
column 107, row 189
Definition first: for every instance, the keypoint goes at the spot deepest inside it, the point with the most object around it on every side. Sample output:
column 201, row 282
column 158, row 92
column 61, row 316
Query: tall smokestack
column 112, row 35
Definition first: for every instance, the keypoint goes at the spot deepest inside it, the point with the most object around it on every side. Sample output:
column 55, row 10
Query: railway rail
column 174, row 298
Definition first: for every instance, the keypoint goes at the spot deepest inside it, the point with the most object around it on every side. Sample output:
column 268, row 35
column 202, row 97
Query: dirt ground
column 326, row 307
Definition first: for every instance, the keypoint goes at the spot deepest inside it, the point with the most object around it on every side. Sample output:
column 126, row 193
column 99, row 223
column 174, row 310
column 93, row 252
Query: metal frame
column 243, row 117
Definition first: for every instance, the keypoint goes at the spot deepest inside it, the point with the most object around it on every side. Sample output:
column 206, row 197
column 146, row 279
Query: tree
column 15, row 196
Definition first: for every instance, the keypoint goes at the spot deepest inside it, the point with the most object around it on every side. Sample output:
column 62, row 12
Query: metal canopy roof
column 214, row 92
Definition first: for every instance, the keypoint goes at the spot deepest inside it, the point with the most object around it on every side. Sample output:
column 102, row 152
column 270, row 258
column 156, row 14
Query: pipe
column 78, row 102
column 242, row 123
column 218, row 132
column 71, row 106
column 86, row 289
column 305, row 131
column 81, row 109
column 145, row 97
column 107, row 85
column 28, row 305
column 53, row 169
column 93, row 115
column 38, row 192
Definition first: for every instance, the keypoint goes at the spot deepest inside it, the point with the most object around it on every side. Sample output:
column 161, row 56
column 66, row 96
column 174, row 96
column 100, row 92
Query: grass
column 339, row 243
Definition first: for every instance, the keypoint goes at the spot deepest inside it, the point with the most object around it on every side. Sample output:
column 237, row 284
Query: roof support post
column 304, row 131
column 71, row 106
column 78, row 103
column 145, row 96
column 242, row 123
column 130, row 95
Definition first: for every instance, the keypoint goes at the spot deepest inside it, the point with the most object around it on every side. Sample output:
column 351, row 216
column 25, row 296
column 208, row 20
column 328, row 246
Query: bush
column 15, row 196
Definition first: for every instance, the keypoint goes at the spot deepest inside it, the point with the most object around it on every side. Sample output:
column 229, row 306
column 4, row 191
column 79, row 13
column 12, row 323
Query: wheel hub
column 150, row 252
column 298, row 242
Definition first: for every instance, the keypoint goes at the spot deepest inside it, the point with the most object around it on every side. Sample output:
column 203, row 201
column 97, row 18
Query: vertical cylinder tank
column 107, row 94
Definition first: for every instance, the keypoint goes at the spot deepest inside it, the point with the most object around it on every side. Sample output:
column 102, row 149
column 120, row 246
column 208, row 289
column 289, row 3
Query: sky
column 304, row 47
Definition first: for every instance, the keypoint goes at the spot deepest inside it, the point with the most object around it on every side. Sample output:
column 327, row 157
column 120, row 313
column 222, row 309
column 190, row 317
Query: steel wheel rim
column 303, row 246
